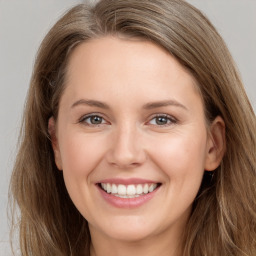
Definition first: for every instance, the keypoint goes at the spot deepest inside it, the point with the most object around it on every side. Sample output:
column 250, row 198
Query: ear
column 54, row 140
column 216, row 144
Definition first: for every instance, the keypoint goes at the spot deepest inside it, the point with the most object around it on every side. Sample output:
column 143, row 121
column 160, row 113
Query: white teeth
column 139, row 189
column 108, row 188
column 152, row 187
column 121, row 190
column 145, row 189
column 114, row 189
column 129, row 191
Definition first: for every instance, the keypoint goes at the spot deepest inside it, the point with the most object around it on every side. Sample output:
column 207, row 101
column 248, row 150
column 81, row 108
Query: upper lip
column 127, row 181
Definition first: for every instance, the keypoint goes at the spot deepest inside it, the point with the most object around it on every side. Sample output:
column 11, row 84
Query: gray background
column 23, row 24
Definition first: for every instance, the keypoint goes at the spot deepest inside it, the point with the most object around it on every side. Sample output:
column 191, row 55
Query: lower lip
column 127, row 202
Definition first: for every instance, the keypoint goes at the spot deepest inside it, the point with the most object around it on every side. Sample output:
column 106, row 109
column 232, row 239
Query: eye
column 162, row 120
column 93, row 120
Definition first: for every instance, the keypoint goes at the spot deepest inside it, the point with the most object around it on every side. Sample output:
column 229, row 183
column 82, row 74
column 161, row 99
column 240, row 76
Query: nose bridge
column 126, row 149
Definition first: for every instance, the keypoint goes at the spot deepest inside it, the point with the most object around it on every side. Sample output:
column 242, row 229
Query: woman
column 138, row 137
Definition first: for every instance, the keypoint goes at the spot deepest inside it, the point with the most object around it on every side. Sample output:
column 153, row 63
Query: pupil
column 161, row 120
column 96, row 120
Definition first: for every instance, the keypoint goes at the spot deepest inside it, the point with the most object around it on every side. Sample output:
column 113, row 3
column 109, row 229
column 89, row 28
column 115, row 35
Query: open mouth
column 129, row 191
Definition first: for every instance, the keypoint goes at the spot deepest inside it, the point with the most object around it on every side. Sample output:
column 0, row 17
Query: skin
column 127, row 76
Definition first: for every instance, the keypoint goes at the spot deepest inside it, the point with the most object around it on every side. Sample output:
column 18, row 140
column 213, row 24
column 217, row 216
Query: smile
column 128, row 191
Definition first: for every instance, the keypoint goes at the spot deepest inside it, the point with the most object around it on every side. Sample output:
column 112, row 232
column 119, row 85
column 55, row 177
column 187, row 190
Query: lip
column 127, row 181
column 126, row 203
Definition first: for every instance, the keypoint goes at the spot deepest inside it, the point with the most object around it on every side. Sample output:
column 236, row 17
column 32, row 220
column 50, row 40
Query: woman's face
column 131, row 139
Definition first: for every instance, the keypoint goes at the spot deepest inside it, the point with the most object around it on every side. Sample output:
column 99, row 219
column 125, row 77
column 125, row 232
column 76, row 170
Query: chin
column 128, row 235
column 127, row 229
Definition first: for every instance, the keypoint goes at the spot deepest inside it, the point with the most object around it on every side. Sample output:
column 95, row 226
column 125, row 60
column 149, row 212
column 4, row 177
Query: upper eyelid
column 163, row 115
column 92, row 114
column 172, row 119
column 82, row 118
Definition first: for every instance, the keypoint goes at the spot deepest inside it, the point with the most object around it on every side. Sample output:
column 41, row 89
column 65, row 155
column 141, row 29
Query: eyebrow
column 92, row 103
column 159, row 104
column 150, row 105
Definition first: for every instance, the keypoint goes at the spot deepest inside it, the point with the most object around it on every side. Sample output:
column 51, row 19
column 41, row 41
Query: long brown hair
column 223, row 220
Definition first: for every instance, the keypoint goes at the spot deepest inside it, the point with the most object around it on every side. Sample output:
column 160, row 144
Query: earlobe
column 54, row 142
column 216, row 144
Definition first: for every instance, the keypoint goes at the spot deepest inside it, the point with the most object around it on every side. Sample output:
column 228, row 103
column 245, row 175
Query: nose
column 126, row 148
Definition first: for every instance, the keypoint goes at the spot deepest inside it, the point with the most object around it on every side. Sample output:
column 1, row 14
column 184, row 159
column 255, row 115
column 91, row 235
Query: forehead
column 127, row 68
column 110, row 47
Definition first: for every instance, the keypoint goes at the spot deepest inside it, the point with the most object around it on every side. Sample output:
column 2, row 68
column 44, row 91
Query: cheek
column 180, row 156
column 181, row 159
column 80, row 154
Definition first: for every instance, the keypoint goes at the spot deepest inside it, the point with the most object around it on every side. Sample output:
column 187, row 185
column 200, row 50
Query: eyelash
column 170, row 119
column 87, row 117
